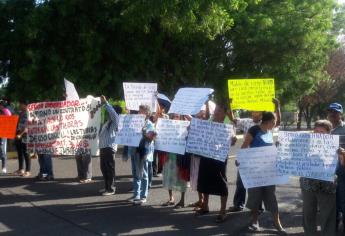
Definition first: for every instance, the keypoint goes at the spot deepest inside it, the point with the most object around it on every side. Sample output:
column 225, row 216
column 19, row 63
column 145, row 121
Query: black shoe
column 235, row 209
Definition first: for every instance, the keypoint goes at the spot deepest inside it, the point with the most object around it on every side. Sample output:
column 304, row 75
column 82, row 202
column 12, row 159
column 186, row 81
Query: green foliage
column 99, row 44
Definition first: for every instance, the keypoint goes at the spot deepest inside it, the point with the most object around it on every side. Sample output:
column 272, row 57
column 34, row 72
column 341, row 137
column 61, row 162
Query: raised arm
column 230, row 113
column 277, row 111
column 112, row 113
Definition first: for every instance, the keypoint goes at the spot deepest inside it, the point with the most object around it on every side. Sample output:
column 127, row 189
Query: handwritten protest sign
column 258, row 167
column 8, row 126
column 130, row 130
column 188, row 101
column 71, row 92
column 209, row 139
column 252, row 94
column 65, row 127
column 310, row 155
column 171, row 135
column 137, row 94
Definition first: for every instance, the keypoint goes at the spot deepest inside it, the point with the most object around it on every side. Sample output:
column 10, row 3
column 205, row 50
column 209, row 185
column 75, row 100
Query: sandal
column 201, row 212
column 168, row 203
column 179, row 205
column 221, row 218
column 195, row 204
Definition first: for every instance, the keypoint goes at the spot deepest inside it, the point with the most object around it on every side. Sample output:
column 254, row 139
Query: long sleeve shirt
column 109, row 129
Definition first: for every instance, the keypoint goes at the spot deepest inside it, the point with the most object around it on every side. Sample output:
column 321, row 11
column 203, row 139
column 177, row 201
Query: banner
column 171, row 135
column 71, row 92
column 8, row 126
column 209, row 139
column 188, row 101
column 258, row 167
column 310, row 155
column 137, row 94
column 130, row 130
column 65, row 127
column 252, row 94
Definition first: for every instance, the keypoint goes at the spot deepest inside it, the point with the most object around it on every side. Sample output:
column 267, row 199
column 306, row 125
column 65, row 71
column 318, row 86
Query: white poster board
column 188, row 101
column 209, row 139
column 310, row 155
column 171, row 135
column 258, row 167
column 64, row 127
column 130, row 130
column 137, row 94
column 71, row 92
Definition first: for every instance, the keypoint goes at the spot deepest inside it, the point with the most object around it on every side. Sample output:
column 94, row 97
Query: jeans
column 22, row 155
column 150, row 173
column 46, row 164
column 240, row 193
column 84, row 166
column 3, row 152
column 140, row 176
column 107, row 156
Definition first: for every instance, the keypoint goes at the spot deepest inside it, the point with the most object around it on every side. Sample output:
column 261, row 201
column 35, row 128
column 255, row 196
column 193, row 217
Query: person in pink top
column 3, row 141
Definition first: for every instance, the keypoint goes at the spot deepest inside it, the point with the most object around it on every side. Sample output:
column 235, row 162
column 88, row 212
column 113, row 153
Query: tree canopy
column 99, row 44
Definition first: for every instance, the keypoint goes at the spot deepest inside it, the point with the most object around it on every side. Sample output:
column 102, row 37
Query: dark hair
column 222, row 105
column 267, row 116
column 327, row 125
column 118, row 109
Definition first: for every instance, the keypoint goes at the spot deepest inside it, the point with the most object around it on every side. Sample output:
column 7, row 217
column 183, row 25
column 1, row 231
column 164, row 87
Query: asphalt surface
column 64, row 207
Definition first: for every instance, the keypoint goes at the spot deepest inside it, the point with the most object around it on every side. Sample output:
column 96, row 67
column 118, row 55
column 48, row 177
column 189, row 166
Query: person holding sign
column 244, row 124
column 319, row 194
column 20, row 141
column 260, row 136
column 108, row 147
column 142, row 156
column 3, row 145
column 335, row 115
column 212, row 174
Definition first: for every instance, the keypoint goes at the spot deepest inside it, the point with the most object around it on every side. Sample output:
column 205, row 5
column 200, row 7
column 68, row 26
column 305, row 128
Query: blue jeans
column 140, row 176
column 46, row 164
column 3, row 152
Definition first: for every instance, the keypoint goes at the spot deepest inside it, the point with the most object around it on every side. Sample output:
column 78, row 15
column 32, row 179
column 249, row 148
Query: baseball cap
column 335, row 107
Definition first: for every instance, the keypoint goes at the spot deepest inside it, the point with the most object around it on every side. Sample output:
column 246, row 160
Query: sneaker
column 235, row 209
column 101, row 190
column 4, row 170
column 108, row 193
column 143, row 200
column 137, row 201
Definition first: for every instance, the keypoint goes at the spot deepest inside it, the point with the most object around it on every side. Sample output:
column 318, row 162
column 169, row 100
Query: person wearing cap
column 108, row 147
column 335, row 115
column 20, row 140
column 3, row 141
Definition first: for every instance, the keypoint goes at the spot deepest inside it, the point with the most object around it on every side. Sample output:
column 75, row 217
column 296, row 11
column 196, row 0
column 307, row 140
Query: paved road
column 63, row 207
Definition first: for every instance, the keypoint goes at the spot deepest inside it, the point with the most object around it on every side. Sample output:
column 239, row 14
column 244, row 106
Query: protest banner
column 171, row 135
column 64, row 127
column 188, row 101
column 71, row 92
column 8, row 126
column 130, row 130
column 209, row 139
column 252, row 94
column 311, row 155
column 137, row 94
column 258, row 167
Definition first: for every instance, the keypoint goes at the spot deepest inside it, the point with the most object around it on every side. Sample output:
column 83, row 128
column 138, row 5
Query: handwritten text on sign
column 64, row 128
column 209, row 139
column 252, row 94
column 137, row 94
column 310, row 155
column 130, row 130
column 188, row 101
column 8, row 126
column 171, row 135
column 258, row 167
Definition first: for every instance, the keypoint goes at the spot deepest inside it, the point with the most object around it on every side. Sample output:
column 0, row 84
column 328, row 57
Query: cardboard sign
column 8, row 126
column 65, row 127
column 130, row 130
column 137, row 94
column 252, row 94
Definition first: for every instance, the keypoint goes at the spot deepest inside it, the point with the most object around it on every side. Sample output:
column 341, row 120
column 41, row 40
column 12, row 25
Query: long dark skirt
column 212, row 177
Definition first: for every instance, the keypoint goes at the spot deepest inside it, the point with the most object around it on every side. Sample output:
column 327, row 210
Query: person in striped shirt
column 108, row 147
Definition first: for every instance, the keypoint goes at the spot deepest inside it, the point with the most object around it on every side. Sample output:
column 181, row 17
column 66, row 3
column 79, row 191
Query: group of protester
column 205, row 175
